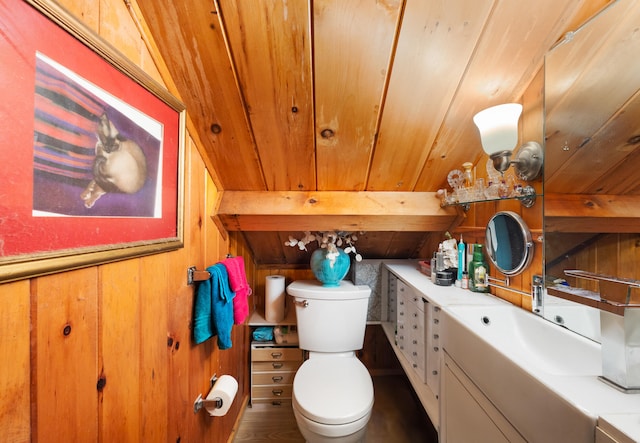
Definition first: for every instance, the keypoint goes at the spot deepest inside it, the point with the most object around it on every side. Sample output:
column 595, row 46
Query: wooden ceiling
column 300, row 99
column 592, row 94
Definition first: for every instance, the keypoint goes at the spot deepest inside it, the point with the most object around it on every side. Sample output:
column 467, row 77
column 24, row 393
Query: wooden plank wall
column 105, row 353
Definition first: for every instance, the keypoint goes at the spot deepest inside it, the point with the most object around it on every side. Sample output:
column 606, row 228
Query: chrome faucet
column 537, row 306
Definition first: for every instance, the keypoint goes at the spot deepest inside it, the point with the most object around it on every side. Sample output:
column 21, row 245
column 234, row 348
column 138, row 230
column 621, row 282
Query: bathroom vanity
column 413, row 307
column 503, row 372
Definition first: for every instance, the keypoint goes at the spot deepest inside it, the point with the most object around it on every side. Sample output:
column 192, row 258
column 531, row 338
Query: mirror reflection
column 509, row 244
column 592, row 159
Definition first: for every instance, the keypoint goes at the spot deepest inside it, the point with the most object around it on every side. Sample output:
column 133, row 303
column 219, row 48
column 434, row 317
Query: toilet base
column 320, row 433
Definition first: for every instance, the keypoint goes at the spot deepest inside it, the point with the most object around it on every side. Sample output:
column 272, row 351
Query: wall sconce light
column 498, row 128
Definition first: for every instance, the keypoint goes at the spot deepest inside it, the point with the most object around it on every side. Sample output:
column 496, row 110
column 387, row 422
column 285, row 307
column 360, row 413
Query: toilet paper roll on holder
column 203, row 402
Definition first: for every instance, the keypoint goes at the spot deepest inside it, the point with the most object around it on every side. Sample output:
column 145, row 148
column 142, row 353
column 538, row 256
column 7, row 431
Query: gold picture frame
column 75, row 105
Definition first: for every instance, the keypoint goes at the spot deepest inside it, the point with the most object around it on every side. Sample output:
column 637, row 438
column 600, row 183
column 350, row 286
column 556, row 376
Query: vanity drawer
column 263, row 366
column 262, row 392
column 273, row 378
column 408, row 298
column 276, row 354
column 433, row 354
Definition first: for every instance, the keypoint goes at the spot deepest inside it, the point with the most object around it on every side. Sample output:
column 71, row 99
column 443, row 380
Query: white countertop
column 619, row 413
column 625, row 428
column 407, row 271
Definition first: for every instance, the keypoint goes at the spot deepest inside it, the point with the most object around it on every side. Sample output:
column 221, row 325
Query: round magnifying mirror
column 508, row 243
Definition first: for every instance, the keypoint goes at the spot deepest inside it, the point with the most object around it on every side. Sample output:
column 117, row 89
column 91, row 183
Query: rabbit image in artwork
column 119, row 165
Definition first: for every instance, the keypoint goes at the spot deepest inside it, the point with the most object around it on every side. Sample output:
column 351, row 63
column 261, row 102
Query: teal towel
column 213, row 308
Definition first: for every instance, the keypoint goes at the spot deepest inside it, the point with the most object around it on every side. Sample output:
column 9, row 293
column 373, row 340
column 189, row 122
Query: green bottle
column 478, row 271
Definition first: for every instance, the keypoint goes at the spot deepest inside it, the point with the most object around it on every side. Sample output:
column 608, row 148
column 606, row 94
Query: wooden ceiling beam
column 591, row 213
column 332, row 210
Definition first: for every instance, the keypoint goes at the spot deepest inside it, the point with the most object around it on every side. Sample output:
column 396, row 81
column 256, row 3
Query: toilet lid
column 333, row 390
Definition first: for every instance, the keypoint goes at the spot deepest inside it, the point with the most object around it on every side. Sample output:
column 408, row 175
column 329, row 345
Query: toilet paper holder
column 203, row 402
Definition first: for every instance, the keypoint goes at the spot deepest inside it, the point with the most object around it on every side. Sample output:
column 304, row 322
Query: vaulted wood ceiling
column 301, row 98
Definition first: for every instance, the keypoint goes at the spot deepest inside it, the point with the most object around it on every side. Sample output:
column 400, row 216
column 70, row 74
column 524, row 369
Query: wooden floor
column 397, row 417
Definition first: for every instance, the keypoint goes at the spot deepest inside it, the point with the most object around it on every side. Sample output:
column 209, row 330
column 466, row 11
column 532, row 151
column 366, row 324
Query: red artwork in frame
column 91, row 148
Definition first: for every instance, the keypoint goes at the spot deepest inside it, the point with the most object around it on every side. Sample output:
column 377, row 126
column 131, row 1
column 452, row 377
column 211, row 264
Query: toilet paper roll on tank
column 274, row 299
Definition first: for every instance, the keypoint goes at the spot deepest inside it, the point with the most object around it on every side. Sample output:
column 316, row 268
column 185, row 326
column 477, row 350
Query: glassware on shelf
column 467, row 174
column 464, row 195
column 455, row 179
column 503, row 189
column 495, row 186
column 491, row 191
column 478, row 190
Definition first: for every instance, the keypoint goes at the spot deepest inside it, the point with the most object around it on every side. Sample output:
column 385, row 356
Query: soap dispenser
column 440, row 258
column 478, row 271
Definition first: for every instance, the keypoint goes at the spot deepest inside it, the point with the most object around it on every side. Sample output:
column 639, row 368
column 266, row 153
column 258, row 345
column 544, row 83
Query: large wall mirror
column 592, row 159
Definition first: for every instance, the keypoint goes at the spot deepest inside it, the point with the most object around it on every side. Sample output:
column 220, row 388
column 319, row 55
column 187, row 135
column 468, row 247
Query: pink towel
column 239, row 285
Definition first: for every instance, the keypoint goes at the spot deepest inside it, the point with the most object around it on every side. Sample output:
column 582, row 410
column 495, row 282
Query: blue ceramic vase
column 330, row 265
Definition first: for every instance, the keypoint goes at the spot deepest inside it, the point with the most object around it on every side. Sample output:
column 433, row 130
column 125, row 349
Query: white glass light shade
column 498, row 127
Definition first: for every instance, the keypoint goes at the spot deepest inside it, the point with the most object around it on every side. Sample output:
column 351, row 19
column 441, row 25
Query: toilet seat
column 333, row 390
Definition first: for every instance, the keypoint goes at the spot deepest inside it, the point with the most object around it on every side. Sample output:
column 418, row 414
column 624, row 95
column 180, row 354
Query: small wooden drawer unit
column 272, row 372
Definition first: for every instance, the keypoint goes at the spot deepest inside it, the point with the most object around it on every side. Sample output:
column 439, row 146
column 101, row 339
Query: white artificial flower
column 330, row 240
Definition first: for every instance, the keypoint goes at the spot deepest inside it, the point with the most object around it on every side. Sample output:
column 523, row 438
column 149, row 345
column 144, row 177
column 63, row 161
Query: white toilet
column 332, row 390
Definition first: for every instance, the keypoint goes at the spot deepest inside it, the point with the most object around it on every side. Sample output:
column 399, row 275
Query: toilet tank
column 330, row 319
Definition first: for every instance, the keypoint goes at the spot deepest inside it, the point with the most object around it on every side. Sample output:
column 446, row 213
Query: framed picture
column 91, row 148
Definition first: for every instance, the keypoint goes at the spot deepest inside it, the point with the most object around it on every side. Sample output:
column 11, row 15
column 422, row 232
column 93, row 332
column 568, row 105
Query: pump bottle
column 478, row 271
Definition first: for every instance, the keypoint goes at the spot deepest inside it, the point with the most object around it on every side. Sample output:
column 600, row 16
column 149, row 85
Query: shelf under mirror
column 621, row 293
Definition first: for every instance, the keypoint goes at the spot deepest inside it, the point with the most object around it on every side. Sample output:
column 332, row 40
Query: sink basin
column 582, row 319
column 532, row 342
column 518, row 360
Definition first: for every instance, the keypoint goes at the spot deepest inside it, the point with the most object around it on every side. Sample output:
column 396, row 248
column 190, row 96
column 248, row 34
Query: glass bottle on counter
column 478, row 271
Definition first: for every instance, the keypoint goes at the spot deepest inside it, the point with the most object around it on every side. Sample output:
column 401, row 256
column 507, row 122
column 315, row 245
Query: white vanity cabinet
column 410, row 335
column 467, row 415
column 418, row 333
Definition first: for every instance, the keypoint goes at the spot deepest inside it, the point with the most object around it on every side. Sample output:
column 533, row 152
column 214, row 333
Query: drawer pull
column 436, row 321
column 276, row 354
column 276, row 403
column 277, row 392
column 415, row 342
column 435, row 348
column 436, row 336
column 434, row 372
column 277, row 379
column 277, row 365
